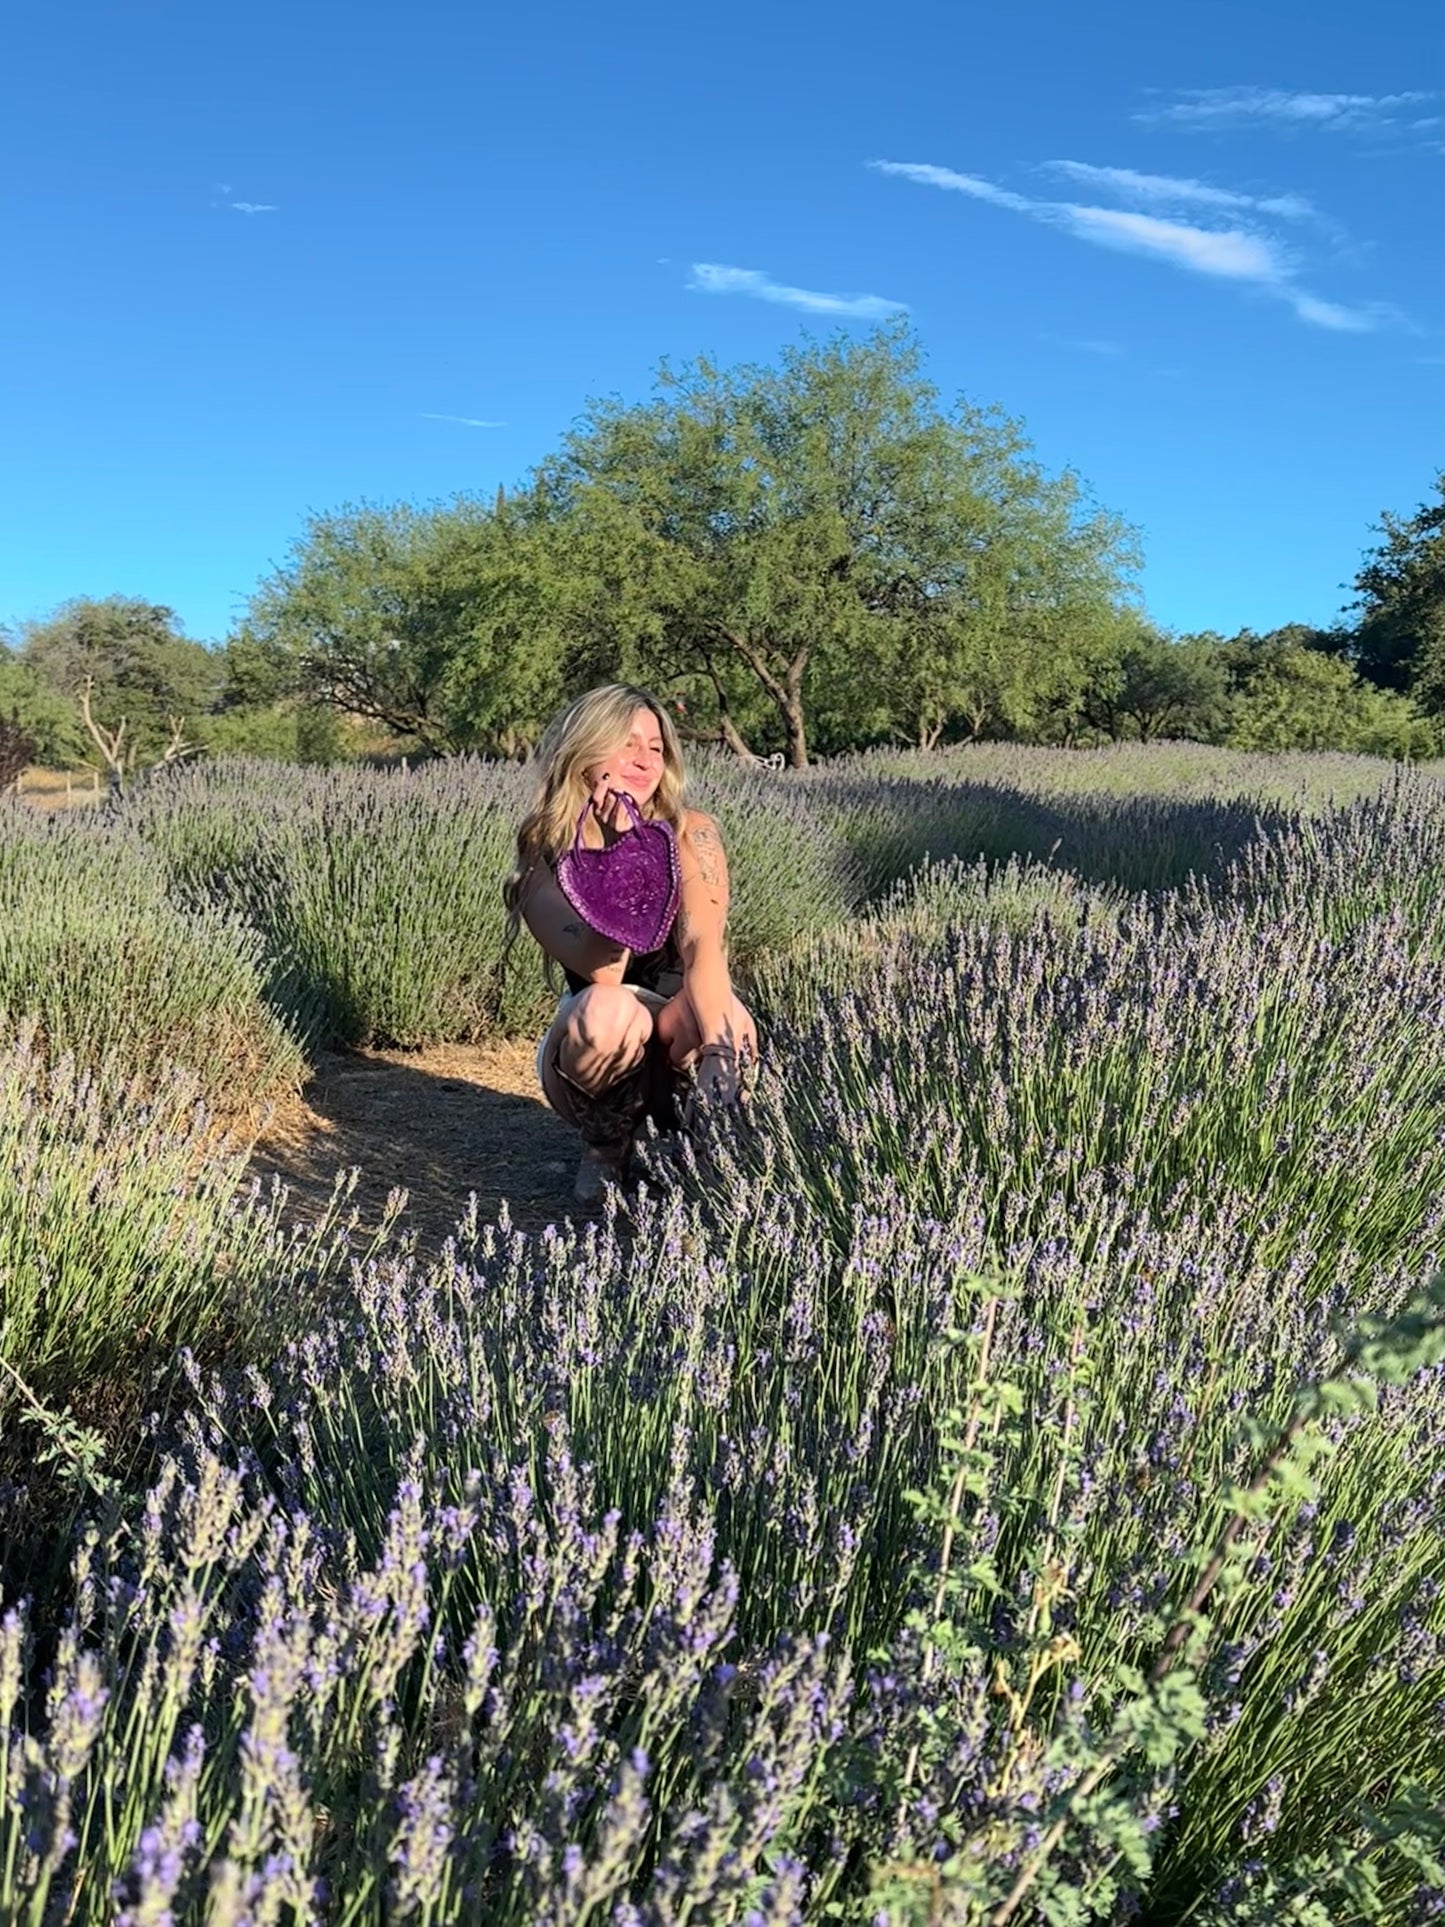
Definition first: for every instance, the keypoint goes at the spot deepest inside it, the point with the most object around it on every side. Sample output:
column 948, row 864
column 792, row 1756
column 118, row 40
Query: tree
column 143, row 676
column 1399, row 638
column 412, row 617
column 1285, row 697
column 17, row 750
column 1151, row 686
column 823, row 532
column 49, row 721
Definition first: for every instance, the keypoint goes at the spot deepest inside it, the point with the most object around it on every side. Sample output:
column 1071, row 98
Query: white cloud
column 251, row 207
column 1329, row 314
column 1231, row 253
column 1106, row 350
column 712, row 277
column 466, row 421
column 929, row 176
column 1165, row 190
column 1245, row 106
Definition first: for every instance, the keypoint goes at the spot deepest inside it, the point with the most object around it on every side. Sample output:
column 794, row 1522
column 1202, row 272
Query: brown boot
column 597, row 1170
column 606, row 1121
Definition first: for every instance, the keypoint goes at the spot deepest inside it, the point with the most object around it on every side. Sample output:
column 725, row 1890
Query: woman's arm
column 562, row 933
column 701, row 929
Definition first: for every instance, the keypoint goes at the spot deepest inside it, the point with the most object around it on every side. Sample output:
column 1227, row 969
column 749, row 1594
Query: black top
column 659, row 970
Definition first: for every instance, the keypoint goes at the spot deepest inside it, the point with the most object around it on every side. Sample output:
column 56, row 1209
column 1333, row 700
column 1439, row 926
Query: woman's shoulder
column 699, row 823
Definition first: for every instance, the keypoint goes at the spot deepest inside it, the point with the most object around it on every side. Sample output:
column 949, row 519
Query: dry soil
column 439, row 1124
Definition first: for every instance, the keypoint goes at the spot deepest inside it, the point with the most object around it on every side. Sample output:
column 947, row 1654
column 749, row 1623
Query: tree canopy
column 131, row 656
column 1399, row 638
column 824, row 532
column 814, row 555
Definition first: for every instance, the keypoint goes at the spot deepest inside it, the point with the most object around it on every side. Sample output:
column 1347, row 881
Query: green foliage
column 1399, row 638
column 142, row 670
column 286, row 731
column 1286, row 697
column 415, row 618
column 17, row 750
column 1151, row 686
column 822, row 533
column 47, row 717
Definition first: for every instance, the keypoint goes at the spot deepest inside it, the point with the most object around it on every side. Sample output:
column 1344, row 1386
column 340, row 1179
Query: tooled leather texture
column 629, row 891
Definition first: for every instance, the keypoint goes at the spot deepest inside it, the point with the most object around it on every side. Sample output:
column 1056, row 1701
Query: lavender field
column 999, row 1479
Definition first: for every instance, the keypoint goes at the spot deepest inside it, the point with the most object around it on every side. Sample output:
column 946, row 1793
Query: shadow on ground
column 439, row 1124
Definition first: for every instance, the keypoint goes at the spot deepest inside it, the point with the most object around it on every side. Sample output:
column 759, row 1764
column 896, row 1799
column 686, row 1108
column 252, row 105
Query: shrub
column 116, row 976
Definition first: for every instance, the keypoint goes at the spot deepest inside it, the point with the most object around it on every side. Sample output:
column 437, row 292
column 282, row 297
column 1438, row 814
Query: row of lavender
column 223, row 925
column 236, row 915
column 918, row 1520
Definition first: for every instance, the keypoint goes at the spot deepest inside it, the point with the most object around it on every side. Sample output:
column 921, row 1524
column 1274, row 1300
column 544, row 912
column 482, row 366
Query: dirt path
column 438, row 1123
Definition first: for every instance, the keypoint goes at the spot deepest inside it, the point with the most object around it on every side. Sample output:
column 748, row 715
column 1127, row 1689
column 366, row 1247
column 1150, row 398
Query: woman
column 631, row 1030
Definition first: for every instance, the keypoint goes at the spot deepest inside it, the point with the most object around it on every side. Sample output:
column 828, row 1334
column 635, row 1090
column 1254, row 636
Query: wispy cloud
column 1275, row 106
column 1167, row 190
column 223, row 192
column 1106, row 350
column 466, row 421
column 1232, row 253
column 711, row 277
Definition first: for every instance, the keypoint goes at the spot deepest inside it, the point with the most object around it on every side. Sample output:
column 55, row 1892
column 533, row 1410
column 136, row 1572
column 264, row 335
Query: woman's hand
column 611, row 812
column 717, row 1075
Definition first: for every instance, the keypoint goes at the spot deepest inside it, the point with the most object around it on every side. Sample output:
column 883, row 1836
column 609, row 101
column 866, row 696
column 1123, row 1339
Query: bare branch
column 110, row 742
column 177, row 748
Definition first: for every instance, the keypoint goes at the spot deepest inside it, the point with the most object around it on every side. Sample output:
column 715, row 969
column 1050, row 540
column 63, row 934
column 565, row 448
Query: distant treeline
column 811, row 557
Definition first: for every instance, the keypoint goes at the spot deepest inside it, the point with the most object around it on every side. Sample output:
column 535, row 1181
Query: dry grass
column 58, row 789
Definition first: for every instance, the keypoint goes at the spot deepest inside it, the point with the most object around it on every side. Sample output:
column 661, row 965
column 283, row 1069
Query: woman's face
column 635, row 765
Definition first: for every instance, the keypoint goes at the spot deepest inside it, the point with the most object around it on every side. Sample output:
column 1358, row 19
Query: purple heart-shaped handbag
column 629, row 891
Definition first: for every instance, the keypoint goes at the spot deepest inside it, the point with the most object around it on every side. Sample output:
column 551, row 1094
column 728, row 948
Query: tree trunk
column 733, row 738
column 797, row 732
column 727, row 731
column 786, row 693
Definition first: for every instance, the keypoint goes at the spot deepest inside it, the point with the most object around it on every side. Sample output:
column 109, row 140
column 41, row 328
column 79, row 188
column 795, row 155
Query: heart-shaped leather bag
column 629, row 891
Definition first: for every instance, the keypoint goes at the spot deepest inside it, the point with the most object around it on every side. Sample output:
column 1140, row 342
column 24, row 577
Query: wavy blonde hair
column 587, row 731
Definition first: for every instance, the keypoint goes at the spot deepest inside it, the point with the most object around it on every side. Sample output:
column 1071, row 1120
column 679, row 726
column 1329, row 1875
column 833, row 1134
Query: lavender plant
column 126, row 1230
column 995, row 1480
column 110, row 971
column 377, row 894
column 501, row 1701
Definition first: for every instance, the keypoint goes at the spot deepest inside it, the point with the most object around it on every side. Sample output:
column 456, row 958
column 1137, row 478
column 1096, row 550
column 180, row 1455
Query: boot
column 606, row 1121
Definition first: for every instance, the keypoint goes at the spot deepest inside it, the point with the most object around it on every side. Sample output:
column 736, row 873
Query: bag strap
column 622, row 795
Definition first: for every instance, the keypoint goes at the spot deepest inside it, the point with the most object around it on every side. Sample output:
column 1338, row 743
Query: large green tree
column 430, row 621
column 1149, row 685
column 823, row 536
column 124, row 661
column 1399, row 638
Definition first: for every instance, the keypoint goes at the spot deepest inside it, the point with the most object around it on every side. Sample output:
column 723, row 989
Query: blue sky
column 269, row 261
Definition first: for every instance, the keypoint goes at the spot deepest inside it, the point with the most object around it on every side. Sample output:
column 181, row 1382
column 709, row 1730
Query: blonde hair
column 586, row 732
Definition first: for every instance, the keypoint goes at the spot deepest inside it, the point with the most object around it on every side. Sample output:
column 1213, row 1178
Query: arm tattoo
column 704, row 842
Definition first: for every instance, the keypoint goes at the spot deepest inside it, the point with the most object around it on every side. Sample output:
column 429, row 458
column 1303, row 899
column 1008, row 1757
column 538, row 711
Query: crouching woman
column 649, row 1014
